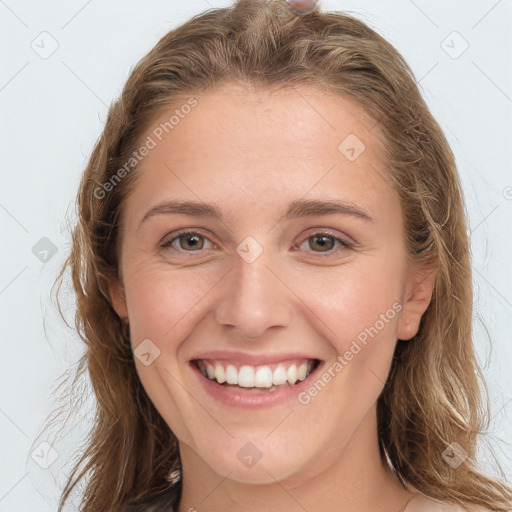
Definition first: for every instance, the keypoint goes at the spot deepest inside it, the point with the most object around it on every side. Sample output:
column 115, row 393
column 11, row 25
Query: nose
column 253, row 299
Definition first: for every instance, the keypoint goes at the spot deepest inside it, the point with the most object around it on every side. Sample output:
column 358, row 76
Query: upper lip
column 251, row 359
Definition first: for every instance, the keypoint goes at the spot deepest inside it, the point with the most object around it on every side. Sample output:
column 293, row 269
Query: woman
column 273, row 279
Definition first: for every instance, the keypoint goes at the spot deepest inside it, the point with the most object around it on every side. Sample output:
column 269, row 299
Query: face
column 263, row 248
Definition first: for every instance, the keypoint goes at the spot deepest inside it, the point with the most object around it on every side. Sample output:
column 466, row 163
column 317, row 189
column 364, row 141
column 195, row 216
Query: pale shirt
column 421, row 503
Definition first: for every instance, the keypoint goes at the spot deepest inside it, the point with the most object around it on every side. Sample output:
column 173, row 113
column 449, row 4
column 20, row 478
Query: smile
column 268, row 377
column 254, row 386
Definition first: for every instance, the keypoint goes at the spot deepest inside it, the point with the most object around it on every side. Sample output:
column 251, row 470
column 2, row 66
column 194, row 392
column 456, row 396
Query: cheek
column 165, row 305
column 357, row 313
column 162, row 299
column 356, row 308
column 353, row 298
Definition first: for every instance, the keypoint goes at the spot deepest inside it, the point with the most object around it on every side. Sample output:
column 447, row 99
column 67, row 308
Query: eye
column 188, row 242
column 323, row 242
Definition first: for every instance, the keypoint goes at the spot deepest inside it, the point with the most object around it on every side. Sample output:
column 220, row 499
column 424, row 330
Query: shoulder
column 150, row 507
column 147, row 508
column 421, row 503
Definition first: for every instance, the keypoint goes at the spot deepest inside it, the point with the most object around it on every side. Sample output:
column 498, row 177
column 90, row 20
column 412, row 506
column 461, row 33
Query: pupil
column 325, row 243
column 193, row 241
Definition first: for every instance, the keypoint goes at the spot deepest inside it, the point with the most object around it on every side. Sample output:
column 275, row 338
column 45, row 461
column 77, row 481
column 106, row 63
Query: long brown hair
column 432, row 397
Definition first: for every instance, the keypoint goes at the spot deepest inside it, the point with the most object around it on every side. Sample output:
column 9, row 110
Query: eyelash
column 343, row 243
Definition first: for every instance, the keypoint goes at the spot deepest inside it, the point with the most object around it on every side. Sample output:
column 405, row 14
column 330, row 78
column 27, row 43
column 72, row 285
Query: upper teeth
column 248, row 376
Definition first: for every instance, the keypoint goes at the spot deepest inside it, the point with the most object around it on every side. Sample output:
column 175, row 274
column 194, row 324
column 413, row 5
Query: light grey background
column 53, row 108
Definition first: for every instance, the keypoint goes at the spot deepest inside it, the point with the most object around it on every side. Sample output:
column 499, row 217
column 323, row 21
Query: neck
column 351, row 476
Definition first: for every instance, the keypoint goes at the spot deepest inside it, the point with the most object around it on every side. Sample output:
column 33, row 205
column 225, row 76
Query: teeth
column 302, row 371
column 220, row 374
column 263, row 377
column 248, row 376
column 291, row 374
column 231, row 374
column 279, row 376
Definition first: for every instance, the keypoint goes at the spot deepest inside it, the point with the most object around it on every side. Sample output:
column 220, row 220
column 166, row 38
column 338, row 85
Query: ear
column 417, row 297
column 117, row 296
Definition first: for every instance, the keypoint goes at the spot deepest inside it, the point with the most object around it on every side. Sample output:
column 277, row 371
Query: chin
column 255, row 463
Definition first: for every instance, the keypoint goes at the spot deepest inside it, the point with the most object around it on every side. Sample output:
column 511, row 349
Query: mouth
column 256, row 379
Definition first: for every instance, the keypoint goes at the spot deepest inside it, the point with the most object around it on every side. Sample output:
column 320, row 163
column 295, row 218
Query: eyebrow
column 310, row 207
column 297, row 209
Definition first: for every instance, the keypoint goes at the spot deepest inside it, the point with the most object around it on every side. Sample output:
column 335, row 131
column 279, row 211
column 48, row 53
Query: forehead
column 256, row 148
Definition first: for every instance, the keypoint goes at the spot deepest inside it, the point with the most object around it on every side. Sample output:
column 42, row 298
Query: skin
column 250, row 153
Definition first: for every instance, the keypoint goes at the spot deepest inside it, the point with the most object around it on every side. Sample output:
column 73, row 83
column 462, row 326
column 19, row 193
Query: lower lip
column 237, row 397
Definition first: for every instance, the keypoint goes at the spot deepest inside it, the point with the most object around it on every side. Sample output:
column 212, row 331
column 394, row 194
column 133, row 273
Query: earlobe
column 416, row 301
column 117, row 297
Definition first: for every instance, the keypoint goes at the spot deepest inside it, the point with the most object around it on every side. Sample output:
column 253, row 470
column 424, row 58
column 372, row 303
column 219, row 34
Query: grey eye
column 190, row 242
